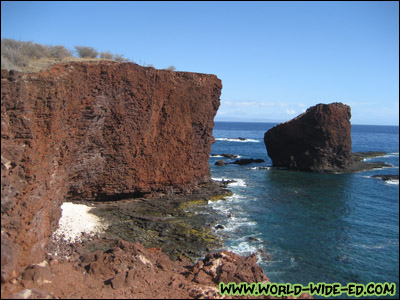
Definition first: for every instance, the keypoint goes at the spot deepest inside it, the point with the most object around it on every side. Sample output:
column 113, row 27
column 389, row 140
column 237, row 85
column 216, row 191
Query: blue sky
column 275, row 59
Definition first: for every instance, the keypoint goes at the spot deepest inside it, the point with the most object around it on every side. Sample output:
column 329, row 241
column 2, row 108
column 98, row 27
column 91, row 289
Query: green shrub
column 59, row 52
column 170, row 68
column 16, row 55
column 120, row 58
column 106, row 55
column 31, row 57
column 33, row 50
column 6, row 64
column 89, row 52
column 11, row 55
column 10, row 44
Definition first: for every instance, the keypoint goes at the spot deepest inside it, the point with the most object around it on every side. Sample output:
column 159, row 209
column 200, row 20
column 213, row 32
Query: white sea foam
column 293, row 262
column 239, row 181
column 221, row 206
column 235, row 223
column 261, row 168
column 232, row 227
column 392, row 182
column 383, row 168
column 378, row 246
column 76, row 219
column 393, row 154
column 229, row 205
column 227, row 208
column 237, row 140
column 246, row 248
column 236, row 156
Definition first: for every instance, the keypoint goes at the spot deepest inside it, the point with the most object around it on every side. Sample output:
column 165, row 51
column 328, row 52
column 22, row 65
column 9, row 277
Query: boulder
column 246, row 161
column 387, row 177
column 318, row 140
column 220, row 163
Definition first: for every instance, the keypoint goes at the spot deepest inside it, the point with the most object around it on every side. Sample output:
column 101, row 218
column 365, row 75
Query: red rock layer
column 96, row 131
column 318, row 140
column 131, row 271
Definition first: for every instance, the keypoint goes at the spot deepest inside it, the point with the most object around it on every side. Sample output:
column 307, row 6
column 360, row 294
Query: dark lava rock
column 387, row 177
column 9, row 252
column 229, row 155
column 220, row 163
column 163, row 222
column 360, row 156
column 359, row 163
column 246, row 161
column 318, row 140
column 224, row 183
column 219, row 226
column 253, row 239
column 38, row 274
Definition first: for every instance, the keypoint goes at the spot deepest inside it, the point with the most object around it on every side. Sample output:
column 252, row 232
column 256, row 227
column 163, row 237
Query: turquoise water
column 310, row 227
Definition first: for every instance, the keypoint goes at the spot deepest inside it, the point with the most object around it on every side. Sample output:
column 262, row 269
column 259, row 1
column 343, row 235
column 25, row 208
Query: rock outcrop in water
column 318, row 140
column 96, row 131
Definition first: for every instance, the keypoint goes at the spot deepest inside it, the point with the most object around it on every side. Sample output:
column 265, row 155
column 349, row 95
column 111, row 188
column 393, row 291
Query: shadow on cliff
column 102, row 197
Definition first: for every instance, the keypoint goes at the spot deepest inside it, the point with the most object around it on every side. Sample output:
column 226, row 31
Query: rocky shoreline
column 129, row 270
column 148, row 251
column 163, row 222
column 388, row 177
column 359, row 163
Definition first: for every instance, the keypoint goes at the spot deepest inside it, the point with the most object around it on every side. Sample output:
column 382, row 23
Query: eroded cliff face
column 318, row 140
column 96, row 131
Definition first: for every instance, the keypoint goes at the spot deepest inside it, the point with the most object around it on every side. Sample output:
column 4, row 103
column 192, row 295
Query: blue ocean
column 309, row 227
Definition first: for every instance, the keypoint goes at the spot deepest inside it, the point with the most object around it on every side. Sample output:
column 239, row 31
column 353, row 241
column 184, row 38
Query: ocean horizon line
column 278, row 122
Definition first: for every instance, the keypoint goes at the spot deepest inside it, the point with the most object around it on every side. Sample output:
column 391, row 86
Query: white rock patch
column 75, row 220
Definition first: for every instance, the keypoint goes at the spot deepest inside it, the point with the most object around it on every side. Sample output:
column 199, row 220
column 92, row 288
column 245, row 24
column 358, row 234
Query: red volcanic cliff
column 318, row 140
column 97, row 131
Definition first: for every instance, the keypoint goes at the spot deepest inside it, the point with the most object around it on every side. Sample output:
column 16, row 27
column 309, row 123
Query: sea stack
column 319, row 140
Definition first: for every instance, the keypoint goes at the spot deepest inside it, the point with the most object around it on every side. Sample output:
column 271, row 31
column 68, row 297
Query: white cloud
column 222, row 113
column 249, row 104
column 250, row 109
column 290, row 111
